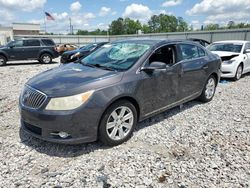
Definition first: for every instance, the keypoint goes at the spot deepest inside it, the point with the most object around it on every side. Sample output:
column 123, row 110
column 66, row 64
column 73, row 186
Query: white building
column 8, row 33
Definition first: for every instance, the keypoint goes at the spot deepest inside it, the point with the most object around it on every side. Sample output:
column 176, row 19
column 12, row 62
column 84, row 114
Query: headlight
column 70, row 102
column 228, row 62
column 76, row 55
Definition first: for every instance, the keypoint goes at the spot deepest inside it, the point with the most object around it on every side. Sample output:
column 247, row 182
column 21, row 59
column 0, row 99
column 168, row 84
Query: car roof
column 35, row 39
column 153, row 42
column 232, row 41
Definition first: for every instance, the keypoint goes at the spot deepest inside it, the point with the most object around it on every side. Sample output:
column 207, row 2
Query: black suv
column 42, row 50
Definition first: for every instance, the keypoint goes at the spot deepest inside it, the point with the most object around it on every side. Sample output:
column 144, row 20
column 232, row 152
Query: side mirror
column 11, row 46
column 247, row 51
column 160, row 66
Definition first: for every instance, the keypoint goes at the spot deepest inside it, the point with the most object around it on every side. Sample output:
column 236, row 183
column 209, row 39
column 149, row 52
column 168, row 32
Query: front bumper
column 228, row 70
column 81, row 125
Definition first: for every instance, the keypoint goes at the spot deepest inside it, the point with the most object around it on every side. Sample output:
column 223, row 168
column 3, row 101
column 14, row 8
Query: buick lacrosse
column 104, row 95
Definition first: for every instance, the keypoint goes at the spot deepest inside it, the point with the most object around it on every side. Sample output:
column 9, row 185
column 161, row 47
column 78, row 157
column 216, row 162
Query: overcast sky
column 92, row 14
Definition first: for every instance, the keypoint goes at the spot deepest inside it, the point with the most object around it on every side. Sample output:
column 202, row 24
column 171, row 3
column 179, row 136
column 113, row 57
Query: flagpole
column 45, row 27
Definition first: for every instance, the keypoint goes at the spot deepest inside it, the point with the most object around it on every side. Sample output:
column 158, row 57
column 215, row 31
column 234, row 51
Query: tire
column 117, row 133
column 209, row 90
column 3, row 60
column 238, row 73
column 45, row 58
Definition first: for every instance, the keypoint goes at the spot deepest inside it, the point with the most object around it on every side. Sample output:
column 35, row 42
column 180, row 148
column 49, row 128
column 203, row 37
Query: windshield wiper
column 103, row 67
column 99, row 66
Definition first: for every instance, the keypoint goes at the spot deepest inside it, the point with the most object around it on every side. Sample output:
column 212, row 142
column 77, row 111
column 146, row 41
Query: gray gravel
column 200, row 145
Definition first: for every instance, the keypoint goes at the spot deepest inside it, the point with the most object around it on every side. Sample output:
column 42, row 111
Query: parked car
column 235, row 56
column 42, row 50
column 200, row 41
column 108, row 92
column 61, row 48
column 80, row 53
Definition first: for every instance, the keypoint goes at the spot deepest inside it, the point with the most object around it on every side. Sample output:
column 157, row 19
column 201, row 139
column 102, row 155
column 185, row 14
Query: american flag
column 48, row 16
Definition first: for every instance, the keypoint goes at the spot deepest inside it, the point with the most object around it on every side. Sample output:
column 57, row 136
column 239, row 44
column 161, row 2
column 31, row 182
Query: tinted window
column 189, row 51
column 164, row 54
column 202, row 53
column 226, row 47
column 31, row 43
column 89, row 47
column 48, row 42
column 18, row 43
column 247, row 46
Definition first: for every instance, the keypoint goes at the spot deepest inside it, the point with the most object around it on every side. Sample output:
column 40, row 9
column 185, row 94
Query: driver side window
column 247, row 47
column 165, row 54
column 18, row 43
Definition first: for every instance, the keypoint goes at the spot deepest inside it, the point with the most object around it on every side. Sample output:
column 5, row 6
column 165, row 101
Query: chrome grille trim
column 33, row 98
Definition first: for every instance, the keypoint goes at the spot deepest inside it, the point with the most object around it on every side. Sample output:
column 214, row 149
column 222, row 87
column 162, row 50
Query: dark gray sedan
column 105, row 94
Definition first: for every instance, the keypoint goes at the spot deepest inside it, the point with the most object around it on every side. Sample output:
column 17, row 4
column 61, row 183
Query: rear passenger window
column 47, row 42
column 31, row 43
column 189, row 51
column 202, row 53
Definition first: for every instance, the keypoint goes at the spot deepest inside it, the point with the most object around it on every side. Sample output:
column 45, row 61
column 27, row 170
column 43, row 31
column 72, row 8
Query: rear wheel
column 238, row 73
column 45, row 58
column 3, row 60
column 117, row 123
column 209, row 90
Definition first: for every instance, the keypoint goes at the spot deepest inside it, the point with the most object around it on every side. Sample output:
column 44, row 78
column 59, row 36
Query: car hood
column 226, row 55
column 73, row 78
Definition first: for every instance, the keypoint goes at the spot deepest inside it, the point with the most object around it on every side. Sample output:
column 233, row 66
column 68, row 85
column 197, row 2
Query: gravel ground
column 200, row 145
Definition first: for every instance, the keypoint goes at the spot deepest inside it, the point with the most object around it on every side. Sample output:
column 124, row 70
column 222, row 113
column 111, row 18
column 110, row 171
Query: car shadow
column 28, row 63
column 69, row 151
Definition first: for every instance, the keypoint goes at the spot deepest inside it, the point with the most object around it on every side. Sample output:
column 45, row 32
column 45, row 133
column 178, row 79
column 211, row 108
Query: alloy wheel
column 210, row 88
column 46, row 59
column 2, row 61
column 120, row 123
column 239, row 72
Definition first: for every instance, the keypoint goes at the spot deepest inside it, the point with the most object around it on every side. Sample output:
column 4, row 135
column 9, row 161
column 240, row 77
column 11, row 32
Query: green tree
column 211, row 26
column 117, row 27
column 182, row 25
column 146, row 29
column 167, row 23
column 131, row 26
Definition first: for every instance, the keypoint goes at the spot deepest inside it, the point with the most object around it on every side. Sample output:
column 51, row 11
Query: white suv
column 235, row 55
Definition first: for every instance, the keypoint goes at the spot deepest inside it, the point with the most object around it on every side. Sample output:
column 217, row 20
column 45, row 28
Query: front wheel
column 209, row 90
column 238, row 73
column 45, row 58
column 117, row 123
column 3, row 60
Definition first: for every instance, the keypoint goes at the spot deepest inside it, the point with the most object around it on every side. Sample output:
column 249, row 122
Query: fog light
column 63, row 134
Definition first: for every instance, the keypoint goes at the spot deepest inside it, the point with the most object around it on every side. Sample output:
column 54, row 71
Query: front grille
column 32, row 98
column 33, row 128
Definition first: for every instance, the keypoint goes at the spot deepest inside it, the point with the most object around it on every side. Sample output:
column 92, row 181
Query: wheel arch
column 216, row 77
column 131, row 99
column 45, row 52
column 4, row 55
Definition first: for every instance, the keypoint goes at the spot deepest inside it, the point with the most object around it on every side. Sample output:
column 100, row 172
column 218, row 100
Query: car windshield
column 88, row 47
column 118, row 56
column 226, row 47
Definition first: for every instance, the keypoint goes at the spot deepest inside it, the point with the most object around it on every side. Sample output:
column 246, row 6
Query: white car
column 235, row 55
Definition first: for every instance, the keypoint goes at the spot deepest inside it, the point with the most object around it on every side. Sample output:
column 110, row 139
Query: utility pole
column 70, row 26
